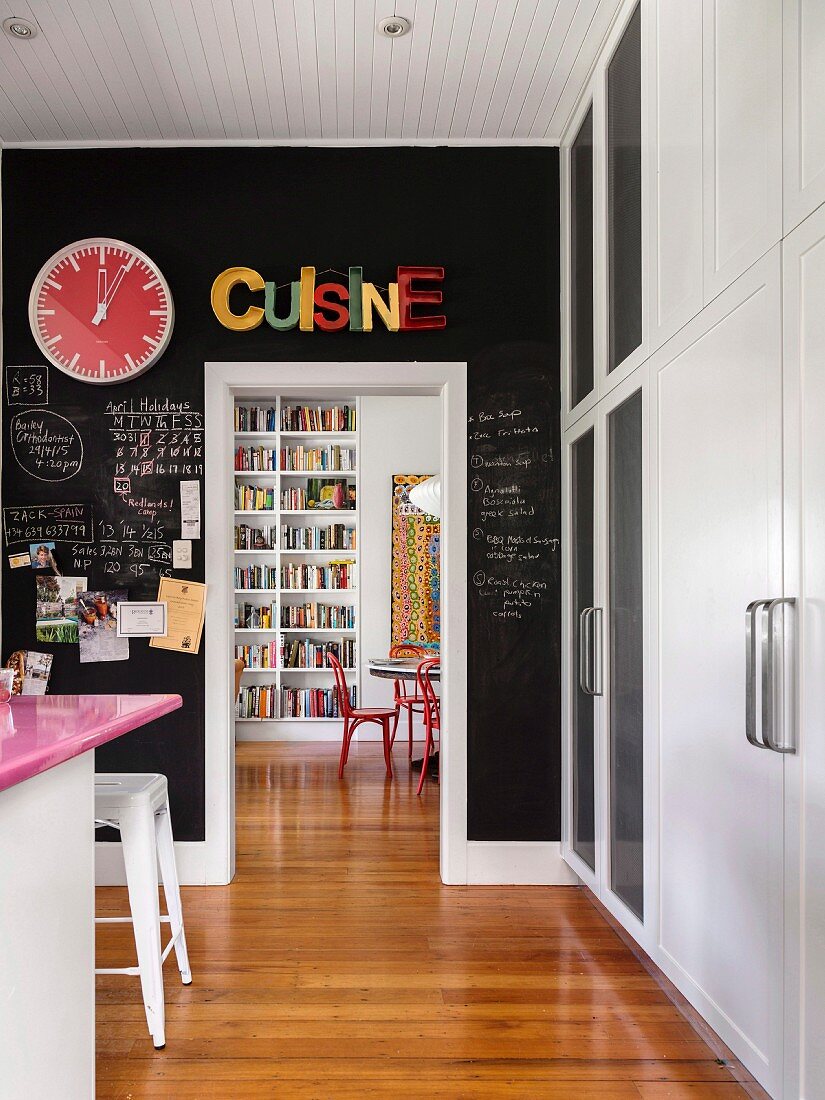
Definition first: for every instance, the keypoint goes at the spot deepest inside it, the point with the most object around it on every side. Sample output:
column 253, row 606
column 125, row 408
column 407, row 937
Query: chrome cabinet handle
column 770, row 691
column 752, row 649
column 596, row 644
column 584, row 650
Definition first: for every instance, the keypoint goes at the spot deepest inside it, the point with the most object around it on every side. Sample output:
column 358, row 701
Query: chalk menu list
column 514, row 592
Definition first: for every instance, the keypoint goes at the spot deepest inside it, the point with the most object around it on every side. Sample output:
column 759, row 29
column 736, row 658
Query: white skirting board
column 190, row 857
column 517, row 863
column 489, row 863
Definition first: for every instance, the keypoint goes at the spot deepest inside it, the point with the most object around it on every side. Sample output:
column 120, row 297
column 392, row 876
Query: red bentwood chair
column 432, row 711
column 356, row 716
column 402, row 699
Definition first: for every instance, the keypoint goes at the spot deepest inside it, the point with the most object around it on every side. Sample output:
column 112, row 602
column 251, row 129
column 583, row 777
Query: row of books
column 252, row 498
column 302, row 418
column 319, row 495
column 259, row 656
column 255, row 419
column 335, row 575
column 313, row 702
column 334, row 537
column 318, row 616
column 304, row 653
column 250, row 616
column 254, row 538
column 332, row 457
column 256, row 576
column 264, row 701
column 256, row 458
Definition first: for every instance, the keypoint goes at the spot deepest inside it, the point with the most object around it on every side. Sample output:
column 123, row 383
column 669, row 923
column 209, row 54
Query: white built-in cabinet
column 724, row 642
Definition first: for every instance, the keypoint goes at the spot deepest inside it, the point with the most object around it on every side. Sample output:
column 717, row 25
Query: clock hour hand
column 103, row 306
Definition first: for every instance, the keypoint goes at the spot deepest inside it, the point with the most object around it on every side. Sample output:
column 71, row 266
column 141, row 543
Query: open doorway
column 406, row 415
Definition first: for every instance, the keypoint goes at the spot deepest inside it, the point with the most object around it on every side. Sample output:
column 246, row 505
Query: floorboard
column 336, row 965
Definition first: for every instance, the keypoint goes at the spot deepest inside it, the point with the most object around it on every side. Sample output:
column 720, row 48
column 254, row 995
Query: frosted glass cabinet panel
column 624, row 194
column 583, row 778
column 626, row 652
column 581, row 262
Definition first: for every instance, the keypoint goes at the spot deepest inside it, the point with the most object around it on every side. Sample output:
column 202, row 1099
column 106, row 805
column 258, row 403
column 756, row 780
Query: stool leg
column 171, row 890
column 410, row 710
column 137, row 832
column 385, row 730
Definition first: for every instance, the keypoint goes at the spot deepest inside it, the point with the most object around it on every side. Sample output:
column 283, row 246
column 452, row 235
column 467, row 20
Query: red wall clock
column 101, row 311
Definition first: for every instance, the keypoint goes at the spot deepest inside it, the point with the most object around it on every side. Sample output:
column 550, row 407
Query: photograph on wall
column 57, row 608
column 42, row 556
column 38, row 668
column 416, row 580
column 97, row 626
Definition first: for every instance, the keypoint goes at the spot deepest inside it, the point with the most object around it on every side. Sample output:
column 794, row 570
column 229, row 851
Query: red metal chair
column 432, row 711
column 356, row 716
column 402, row 699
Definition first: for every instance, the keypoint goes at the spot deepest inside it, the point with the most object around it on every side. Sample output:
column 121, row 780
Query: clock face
column 101, row 311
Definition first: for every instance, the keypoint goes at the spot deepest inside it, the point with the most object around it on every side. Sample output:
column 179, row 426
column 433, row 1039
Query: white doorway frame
column 223, row 383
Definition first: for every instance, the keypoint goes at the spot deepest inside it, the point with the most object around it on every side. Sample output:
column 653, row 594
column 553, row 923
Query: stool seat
column 116, row 791
column 137, row 804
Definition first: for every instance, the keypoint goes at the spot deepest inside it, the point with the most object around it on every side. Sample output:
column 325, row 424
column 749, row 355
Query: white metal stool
column 138, row 805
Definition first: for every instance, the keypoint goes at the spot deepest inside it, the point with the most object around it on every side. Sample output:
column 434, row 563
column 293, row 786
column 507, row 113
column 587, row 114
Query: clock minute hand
column 103, row 306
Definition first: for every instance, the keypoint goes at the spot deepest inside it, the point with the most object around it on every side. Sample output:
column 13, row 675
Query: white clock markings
column 45, row 313
column 52, row 283
column 102, row 368
column 74, row 360
column 74, row 263
column 130, row 360
column 53, row 341
column 152, row 282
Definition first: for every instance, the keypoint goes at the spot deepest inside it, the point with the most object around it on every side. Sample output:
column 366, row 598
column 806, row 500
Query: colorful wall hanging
column 416, row 572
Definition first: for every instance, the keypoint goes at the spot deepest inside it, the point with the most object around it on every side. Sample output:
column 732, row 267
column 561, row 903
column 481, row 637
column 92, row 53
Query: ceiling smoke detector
column 394, row 27
column 20, row 29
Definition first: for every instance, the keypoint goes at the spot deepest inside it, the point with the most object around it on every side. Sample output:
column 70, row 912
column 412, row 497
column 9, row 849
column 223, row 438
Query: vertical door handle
column 584, row 650
column 597, row 648
column 778, row 744
column 753, row 648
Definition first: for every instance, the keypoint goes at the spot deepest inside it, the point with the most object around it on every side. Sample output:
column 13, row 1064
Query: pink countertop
column 39, row 732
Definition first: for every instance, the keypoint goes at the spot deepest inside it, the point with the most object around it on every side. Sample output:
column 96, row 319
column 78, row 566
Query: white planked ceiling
column 295, row 70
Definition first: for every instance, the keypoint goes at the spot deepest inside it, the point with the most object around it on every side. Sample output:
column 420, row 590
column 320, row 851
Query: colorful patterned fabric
column 416, row 579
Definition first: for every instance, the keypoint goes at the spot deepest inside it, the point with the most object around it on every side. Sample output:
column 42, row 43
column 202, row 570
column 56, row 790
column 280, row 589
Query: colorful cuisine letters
column 331, row 306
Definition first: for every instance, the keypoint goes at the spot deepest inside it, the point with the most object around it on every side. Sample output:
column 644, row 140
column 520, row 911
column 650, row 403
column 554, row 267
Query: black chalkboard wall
column 490, row 217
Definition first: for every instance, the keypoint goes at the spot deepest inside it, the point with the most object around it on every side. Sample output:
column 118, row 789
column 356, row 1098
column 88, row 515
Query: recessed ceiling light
column 394, row 27
column 19, row 29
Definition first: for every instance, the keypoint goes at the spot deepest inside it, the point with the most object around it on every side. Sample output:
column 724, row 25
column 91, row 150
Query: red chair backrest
column 341, row 686
column 426, row 689
column 405, row 649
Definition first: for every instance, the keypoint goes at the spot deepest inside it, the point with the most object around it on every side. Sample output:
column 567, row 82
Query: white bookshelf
column 286, row 727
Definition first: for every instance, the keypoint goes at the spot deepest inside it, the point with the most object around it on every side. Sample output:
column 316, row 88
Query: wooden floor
column 337, row 965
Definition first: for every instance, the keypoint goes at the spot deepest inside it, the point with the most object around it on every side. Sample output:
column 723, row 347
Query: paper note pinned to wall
column 181, row 554
column 190, row 509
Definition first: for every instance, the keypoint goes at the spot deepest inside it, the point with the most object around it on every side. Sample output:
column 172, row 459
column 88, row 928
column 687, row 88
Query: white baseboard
column 190, row 857
column 310, row 731
column 517, row 863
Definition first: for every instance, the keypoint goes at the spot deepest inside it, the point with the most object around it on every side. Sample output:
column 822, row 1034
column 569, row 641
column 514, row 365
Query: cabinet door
column 742, row 106
column 804, row 95
column 624, row 529
column 804, row 331
column 582, row 652
column 718, row 391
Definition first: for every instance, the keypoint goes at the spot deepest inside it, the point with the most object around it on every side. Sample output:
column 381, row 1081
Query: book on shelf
column 336, row 536
column 318, row 616
column 258, row 655
column 332, row 575
column 301, row 653
column 258, row 701
column 332, row 458
column 304, row 418
column 254, row 498
column 255, row 458
column 256, row 576
column 250, row 616
column 313, row 702
column 254, row 419
column 255, row 538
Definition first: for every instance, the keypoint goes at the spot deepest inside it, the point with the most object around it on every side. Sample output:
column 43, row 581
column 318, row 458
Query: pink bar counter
column 47, row 884
column 40, row 732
